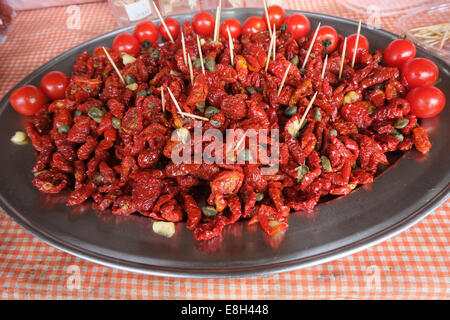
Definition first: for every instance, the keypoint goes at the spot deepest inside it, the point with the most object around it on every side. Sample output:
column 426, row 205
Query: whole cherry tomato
column 276, row 16
column 426, row 102
column 235, row 28
column 419, row 72
column 253, row 25
column 27, row 100
column 363, row 44
column 174, row 28
column 398, row 52
column 54, row 84
column 328, row 36
column 203, row 23
column 298, row 25
column 127, row 43
column 146, row 30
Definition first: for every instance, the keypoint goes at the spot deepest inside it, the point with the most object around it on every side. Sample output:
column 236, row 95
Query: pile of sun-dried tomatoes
column 110, row 142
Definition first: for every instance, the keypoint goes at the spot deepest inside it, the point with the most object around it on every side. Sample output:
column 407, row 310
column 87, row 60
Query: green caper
column 334, row 132
column 63, row 129
column 155, row 54
column 96, row 113
column 215, row 123
column 301, row 172
column 129, row 79
column 295, row 60
column 116, row 123
column 77, row 113
column 209, row 211
column 401, row 123
column 210, row 111
column 290, row 111
column 283, row 27
column 200, row 106
column 150, row 50
column 141, row 93
column 259, row 196
column 251, row 90
column 97, row 177
column 326, row 163
column 197, row 63
column 146, row 44
column 317, row 115
column 245, row 155
column 397, row 135
column 210, row 64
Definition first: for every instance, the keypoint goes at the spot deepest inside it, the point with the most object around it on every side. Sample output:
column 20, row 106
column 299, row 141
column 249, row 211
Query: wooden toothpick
column 163, row 100
column 324, row 66
column 191, row 73
column 231, row 46
column 311, row 46
column 183, row 47
column 267, row 18
column 162, row 21
column 284, row 79
column 341, row 67
column 217, row 22
column 307, row 110
column 114, row 65
column 175, row 102
column 194, row 116
column 200, row 53
column 269, row 53
column 274, row 41
column 356, row 44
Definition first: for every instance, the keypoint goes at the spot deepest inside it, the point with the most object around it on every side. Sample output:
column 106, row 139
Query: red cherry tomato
column 146, row 30
column 328, row 37
column 363, row 44
column 235, row 28
column 426, row 102
column 419, row 72
column 276, row 16
column 298, row 25
column 127, row 43
column 54, row 84
column 27, row 100
column 253, row 25
column 398, row 52
column 174, row 28
column 203, row 23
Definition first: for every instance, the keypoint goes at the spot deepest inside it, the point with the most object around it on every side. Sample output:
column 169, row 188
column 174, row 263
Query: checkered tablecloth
column 412, row 265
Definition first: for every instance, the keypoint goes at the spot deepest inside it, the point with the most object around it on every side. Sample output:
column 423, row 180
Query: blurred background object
column 433, row 36
column 37, row 4
column 6, row 16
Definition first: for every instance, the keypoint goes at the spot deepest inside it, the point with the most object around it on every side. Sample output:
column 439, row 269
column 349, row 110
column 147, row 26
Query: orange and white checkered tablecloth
column 411, row 265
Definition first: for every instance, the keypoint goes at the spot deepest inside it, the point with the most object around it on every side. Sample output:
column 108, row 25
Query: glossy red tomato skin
column 27, row 100
column 174, row 28
column 419, row 72
column 328, row 32
column 146, row 30
column 298, row 25
column 235, row 28
column 363, row 44
column 54, row 84
column 253, row 25
column 127, row 43
column 203, row 23
column 426, row 102
column 277, row 15
column 398, row 52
